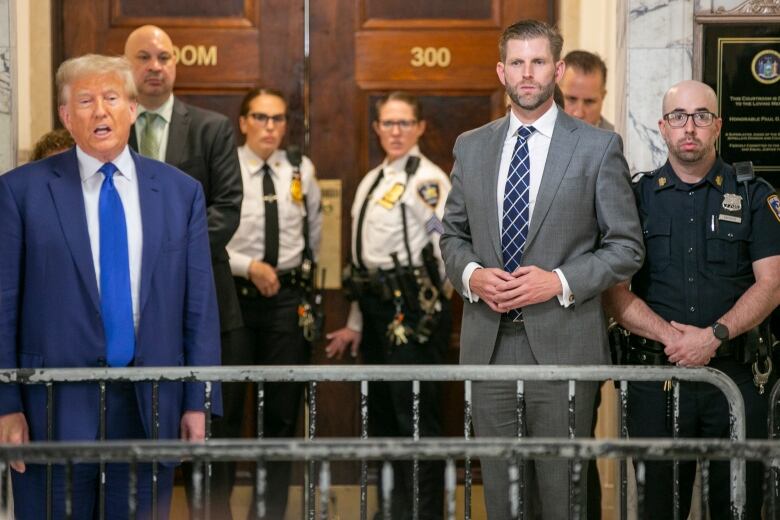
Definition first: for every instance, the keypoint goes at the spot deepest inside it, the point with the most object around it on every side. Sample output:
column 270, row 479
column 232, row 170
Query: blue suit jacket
column 49, row 302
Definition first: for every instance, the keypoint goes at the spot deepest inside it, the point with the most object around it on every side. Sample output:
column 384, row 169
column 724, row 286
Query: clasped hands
column 689, row 346
column 503, row 291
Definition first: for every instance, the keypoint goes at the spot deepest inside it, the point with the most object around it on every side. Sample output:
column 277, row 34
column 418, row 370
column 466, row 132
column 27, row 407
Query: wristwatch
column 720, row 331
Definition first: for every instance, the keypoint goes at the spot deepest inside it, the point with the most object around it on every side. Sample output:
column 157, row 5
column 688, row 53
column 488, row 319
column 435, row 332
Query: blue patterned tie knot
column 514, row 224
column 116, row 303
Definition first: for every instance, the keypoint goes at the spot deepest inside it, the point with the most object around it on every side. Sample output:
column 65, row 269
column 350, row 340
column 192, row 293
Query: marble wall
column 7, row 123
column 658, row 36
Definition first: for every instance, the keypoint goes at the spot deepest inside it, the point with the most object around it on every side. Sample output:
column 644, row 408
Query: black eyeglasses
column 680, row 119
column 402, row 124
column 264, row 118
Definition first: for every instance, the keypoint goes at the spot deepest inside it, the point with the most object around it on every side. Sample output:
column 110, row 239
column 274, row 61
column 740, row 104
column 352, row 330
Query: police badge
column 732, row 208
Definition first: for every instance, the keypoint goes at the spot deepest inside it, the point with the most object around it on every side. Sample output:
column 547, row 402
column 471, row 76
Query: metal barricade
column 520, row 448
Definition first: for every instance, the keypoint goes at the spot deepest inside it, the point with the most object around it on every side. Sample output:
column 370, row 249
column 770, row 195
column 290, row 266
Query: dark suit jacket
column 201, row 144
column 49, row 302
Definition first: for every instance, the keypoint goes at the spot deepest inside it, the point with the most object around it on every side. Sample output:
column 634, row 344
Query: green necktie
column 150, row 140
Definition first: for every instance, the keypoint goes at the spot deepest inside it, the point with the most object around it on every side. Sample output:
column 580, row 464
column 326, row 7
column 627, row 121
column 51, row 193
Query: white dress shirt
column 163, row 123
column 126, row 183
column 248, row 243
column 383, row 232
column 538, row 148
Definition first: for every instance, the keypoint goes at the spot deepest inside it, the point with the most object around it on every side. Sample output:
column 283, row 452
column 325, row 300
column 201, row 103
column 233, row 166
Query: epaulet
column 638, row 175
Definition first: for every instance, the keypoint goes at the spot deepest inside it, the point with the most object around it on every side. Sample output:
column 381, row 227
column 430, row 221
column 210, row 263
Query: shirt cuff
column 566, row 298
column 239, row 264
column 465, row 278
column 355, row 319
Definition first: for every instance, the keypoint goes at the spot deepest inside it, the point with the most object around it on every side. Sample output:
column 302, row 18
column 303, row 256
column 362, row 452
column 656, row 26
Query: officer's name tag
column 730, row 218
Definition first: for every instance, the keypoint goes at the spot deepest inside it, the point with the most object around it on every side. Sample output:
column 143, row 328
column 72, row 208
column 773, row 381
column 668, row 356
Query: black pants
column 703, row 413
column 271, row 336
column 390, row 404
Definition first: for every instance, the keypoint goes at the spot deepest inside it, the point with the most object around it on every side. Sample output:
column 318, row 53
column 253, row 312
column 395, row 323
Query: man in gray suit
column 539, row 222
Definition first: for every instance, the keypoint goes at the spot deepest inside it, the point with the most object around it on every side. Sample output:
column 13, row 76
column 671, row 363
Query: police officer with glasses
column 272, row 257
column 400, row 311
column 710, row 280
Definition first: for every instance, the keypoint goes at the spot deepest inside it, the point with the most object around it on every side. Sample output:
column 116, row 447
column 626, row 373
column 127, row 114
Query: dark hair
column 407, row 98
column 52, row 142
column 528, row 30
column 260, row 91
column 587, row 63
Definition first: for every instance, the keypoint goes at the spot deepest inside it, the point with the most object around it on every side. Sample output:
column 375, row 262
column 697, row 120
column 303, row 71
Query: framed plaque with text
column 739, row 57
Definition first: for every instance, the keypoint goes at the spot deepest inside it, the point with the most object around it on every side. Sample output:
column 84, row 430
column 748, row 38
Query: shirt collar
column 253, row 161
column 667, row 177
column 544, row 125
column 399, row 165
column 89, row 166
column 165, row 110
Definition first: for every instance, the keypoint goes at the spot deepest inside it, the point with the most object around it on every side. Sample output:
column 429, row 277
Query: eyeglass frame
column 404, row 125
column 263, row 119
column 689, row 116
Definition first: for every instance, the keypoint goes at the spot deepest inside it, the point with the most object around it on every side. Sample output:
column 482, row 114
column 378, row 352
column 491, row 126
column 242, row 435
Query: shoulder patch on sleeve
column 429, row 192
column 773, row 201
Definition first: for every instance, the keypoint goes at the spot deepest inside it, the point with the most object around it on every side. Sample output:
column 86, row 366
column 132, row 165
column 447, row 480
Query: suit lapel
column 151, row 203
column 177, row 134
column 491, row 164
column 69, row 201
column 562, row 144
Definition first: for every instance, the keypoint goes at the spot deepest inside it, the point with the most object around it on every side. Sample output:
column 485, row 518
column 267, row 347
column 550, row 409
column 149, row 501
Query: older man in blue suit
column 105, row 262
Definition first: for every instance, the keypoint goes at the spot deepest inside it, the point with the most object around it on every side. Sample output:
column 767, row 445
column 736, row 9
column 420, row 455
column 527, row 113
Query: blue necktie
column 116, row 302
column 514, row 228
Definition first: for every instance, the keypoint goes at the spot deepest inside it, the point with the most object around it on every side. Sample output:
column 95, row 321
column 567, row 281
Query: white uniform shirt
column 248, row 243
column 126, row 183
column 383, row 227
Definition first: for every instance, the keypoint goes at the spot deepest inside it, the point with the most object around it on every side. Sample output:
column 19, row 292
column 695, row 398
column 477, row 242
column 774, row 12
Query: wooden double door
column 332, row 58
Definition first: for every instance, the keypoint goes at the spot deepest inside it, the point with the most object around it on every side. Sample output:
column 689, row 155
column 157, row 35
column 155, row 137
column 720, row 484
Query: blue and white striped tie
column 514, row 229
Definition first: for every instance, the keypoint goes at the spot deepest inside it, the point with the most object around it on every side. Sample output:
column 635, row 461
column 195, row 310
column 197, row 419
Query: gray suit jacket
column 584, row 222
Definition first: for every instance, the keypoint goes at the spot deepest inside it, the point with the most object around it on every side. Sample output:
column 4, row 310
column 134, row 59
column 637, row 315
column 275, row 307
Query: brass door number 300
column 431, row 57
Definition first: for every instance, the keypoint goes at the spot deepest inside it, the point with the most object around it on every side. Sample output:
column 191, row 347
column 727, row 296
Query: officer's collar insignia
column 774, row 205
column 732, row 208
column 429, row 192
column 719, row 180
column 661, row 181
column 393, row 195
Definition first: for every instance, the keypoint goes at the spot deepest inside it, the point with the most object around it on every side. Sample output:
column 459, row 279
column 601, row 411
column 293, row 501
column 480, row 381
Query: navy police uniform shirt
column 701, row 241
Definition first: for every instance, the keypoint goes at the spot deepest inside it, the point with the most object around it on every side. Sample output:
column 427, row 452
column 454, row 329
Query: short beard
column 545, row 93
column 692, row 156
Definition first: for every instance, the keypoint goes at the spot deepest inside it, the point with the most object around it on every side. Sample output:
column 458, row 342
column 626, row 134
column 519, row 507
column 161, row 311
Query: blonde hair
column 94, row 65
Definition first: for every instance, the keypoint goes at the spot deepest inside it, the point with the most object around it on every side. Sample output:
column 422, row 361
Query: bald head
column 690, row 134
column 690, row 90
column 150, row 51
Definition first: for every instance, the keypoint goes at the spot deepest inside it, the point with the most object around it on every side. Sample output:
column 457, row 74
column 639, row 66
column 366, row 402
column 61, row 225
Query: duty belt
column 643, row 351
column 375, row 283
column 291, row 278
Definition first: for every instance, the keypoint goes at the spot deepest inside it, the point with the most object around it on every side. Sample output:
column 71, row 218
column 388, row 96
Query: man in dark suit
column 198, row 142
column 105, row 263
column 538, row 224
